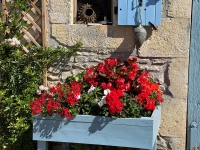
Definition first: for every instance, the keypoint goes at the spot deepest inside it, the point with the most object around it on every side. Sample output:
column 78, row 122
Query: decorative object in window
column 88, row 13
column 92, row 12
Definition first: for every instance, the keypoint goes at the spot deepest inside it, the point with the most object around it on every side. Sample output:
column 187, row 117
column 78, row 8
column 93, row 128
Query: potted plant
column 113, row 103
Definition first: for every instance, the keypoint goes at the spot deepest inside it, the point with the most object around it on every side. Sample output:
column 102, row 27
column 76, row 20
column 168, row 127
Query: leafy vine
column 20, row 75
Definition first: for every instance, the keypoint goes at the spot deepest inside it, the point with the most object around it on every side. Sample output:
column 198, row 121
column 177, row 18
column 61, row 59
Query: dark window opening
column 92, row 11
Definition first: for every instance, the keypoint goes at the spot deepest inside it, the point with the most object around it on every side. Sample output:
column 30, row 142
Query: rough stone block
column 76, row 71
column 177, row 143
column 161, row 143
column 170, row 143
column 156, row 68
column 60, row 11
column 119, row 39
column 144, row 67
column 81, row 59
column 73, row 33
column 159, row 61
column 59, row 31
column 162, row 87
column 94, row 59
column 102, row 57
column 54, row 72
column 158, row 77
column 84, row 53
column 72, row 59
column 65, row 67
column 78, row 66
column 178, row 78
column 52, row 78
column 64, row 75
column 59, row 17
column 173, row 121
column 143, row 61
column 179, row 8
column 170, row 40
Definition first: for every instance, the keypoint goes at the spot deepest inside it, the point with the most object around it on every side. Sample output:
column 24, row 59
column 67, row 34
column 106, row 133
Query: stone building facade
column 165, row 53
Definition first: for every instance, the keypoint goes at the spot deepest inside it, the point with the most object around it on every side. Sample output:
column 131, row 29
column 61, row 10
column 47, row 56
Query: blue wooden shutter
column 131, row 12
column 193, row 138
column 122, row 12
column 128, row 12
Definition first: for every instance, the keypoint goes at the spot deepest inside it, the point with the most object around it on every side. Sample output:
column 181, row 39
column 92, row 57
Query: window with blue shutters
column 128, row 12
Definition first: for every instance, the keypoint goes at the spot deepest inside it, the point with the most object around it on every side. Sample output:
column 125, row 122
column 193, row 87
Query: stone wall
column 165, row 53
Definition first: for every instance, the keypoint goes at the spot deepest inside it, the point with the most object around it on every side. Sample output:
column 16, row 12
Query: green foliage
column 20, row 75
column 22, row 4
column 12, row 27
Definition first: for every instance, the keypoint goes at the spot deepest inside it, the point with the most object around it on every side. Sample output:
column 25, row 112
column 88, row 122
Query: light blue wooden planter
column 123, row 132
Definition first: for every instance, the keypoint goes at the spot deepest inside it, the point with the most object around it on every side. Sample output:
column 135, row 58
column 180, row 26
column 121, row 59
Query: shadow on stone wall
column 129, row 45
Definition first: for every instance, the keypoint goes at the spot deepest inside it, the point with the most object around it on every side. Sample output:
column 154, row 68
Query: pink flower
column 13, row 42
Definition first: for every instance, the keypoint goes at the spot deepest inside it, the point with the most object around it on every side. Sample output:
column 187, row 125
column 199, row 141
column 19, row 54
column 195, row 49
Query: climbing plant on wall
column 20, row 74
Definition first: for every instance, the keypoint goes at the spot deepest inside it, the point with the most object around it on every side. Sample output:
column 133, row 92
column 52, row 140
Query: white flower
column 14, row 39
column 106, row 91
column 41, row 87
column 8, row 1
column 103, row 99
column 13, row 42
column 38, row 92
column 46, row 88
column 17, row 43
column 102, row 102
column 91, row 89
column 77, row 96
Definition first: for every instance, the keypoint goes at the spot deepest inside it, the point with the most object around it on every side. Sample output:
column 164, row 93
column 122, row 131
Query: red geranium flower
column 36, row 107
column 65, row 112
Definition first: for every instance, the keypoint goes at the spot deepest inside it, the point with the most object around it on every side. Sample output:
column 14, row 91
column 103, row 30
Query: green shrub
column 20, row 75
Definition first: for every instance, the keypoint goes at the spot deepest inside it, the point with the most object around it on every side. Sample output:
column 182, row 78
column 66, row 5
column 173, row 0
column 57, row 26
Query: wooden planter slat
column 123, row 132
